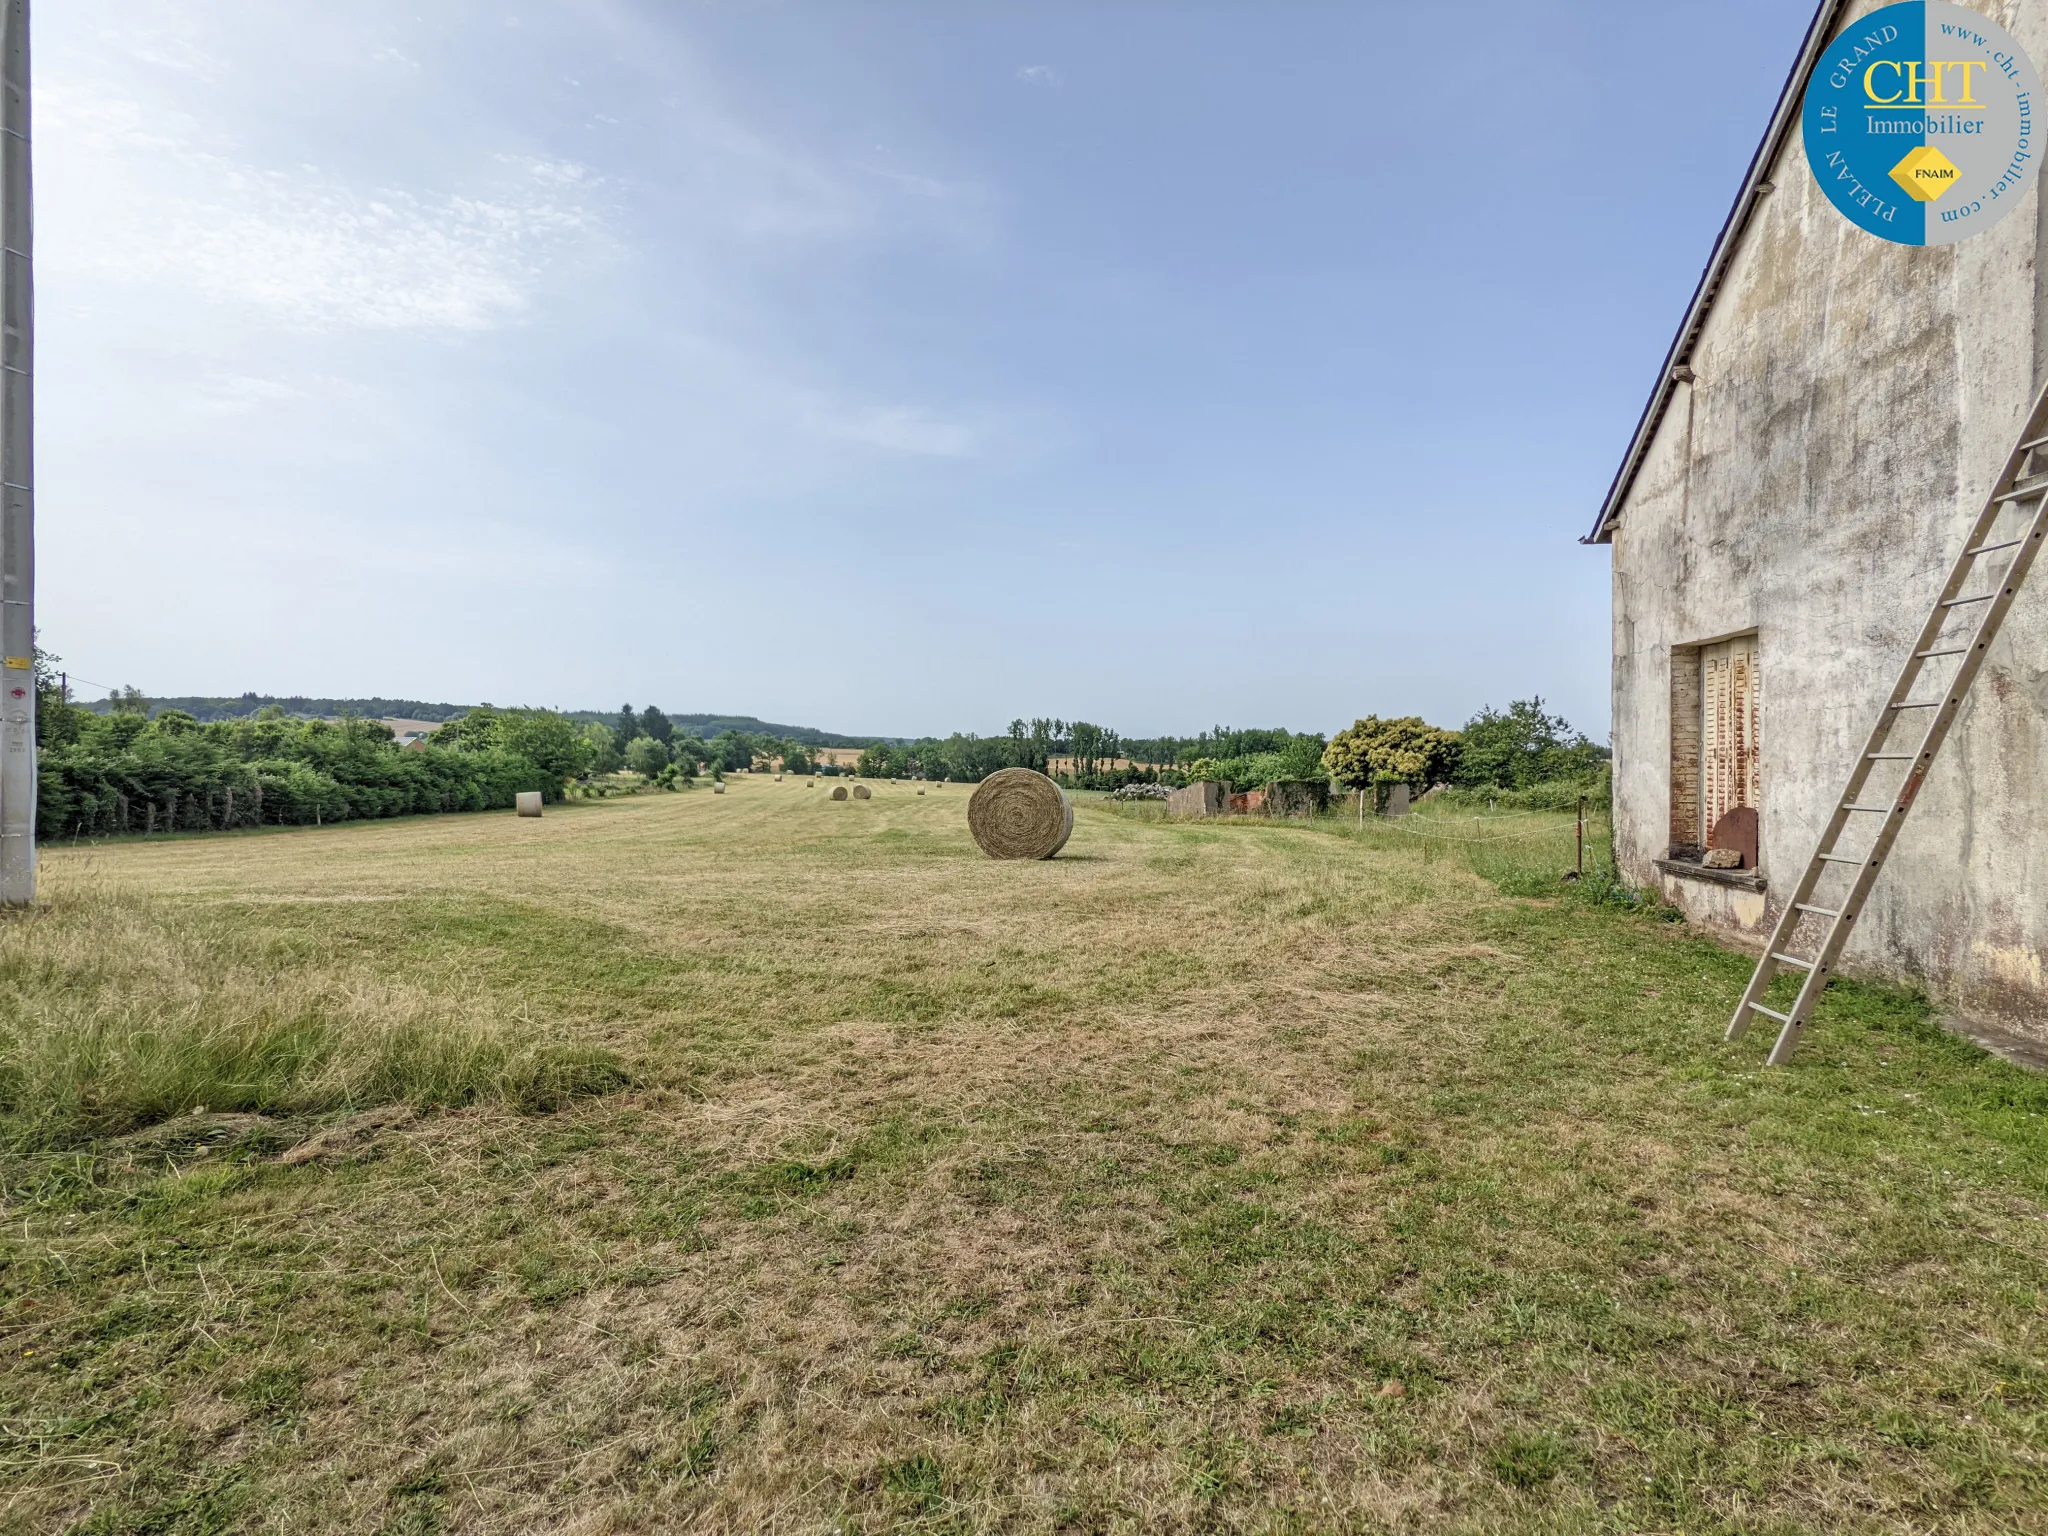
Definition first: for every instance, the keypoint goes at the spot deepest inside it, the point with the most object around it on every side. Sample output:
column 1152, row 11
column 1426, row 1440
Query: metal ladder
column 2013, row 524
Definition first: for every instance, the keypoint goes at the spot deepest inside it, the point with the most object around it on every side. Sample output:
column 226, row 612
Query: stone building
column 1829, row 419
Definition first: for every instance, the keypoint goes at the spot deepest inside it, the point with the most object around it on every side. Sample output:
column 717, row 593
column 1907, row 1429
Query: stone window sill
column 1739, row 879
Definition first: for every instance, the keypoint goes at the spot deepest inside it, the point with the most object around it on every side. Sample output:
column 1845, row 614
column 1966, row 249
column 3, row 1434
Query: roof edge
column 1754, row 188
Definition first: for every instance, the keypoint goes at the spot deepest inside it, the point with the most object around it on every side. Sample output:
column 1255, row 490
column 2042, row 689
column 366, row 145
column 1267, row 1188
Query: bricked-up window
column 1688, row 837
column 1716, row 761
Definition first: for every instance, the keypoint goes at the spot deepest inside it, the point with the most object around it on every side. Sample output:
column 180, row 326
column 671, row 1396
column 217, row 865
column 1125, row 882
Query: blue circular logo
column 1920, row 123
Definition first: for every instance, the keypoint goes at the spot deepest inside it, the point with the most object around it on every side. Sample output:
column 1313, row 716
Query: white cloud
column 140, row 201
column 472, row 557
column 1039, row 74
column 251, row 279
column 558, row 173
column 146, row 46
column 235, row 394
column 897, row 429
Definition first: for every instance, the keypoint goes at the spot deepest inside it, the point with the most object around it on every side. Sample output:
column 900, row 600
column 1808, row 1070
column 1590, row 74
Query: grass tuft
column 121, row 1009
column 1529, row 1460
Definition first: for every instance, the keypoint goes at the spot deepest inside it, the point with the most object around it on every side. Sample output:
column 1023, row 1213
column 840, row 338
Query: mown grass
column 1242, row 1177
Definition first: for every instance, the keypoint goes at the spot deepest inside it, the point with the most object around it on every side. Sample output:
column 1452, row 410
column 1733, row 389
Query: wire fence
column 1412, row 826
column 1524, row 852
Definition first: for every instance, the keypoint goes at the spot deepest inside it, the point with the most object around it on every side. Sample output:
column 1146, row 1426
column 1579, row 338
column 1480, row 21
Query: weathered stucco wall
column 1853, row 401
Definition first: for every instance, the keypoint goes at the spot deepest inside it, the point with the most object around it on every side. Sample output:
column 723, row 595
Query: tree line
column 1512, row 749
column 651, row 744
column 121, row 768
column 129, row 772
column 206, row 708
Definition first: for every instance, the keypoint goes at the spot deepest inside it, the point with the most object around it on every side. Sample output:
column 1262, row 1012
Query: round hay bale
column 718, row 789
column 862, row 792
column 920, row 791
column 838, row 791
column 1018, row 814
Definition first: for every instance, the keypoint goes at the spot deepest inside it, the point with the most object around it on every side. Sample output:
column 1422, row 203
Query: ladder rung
column 2039, row 442
column 1961, row 650
column 1964, row 602
column 1800, row 906
column 1804, row 965
column 1890, row 757
column 1770, row 1013
column 1985, row 549
column 1841, row 858
column 2021, row 493
column 1882, row 810
column 1919, row 704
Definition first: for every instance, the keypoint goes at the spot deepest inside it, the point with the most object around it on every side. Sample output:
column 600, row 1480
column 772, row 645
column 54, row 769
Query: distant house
column 1828, row 420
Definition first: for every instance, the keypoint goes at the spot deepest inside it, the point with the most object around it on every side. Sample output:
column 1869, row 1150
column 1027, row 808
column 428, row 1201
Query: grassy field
column 761, row 1163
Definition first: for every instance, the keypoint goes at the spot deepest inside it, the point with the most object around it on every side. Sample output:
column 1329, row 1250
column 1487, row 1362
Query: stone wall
column 1852, row 403
column 1203, row 799
column 1291, row 797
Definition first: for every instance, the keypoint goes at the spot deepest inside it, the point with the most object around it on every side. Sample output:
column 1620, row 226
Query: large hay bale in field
column 528, row 802
column 862, row 792
column 718, row 789
column 1016, row 813
column 838, row 791
column 1202, row 798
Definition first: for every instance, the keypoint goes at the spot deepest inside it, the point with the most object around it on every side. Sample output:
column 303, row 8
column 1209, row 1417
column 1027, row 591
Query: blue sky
column 885, row 367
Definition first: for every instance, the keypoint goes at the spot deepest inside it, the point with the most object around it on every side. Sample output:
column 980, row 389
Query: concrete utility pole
column 17, row 468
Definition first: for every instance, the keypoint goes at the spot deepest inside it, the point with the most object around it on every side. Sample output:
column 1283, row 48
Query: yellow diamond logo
column 1925, row 173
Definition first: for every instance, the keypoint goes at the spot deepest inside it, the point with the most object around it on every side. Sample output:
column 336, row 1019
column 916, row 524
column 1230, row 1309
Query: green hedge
column 1596, row 789
column 106, row 775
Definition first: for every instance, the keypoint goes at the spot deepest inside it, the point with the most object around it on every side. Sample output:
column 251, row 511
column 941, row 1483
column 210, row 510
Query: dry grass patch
column 1249, row 1177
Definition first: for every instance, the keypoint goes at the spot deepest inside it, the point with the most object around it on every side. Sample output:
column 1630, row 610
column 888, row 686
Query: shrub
column 605, row 756
column 541, row 736
column 1522, row 746
column 1254, row 768
column 646, row 756
column 1403, row 751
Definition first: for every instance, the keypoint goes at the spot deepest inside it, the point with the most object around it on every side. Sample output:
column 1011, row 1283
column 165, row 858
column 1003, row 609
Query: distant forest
column 300, row 707
column 704, row 727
